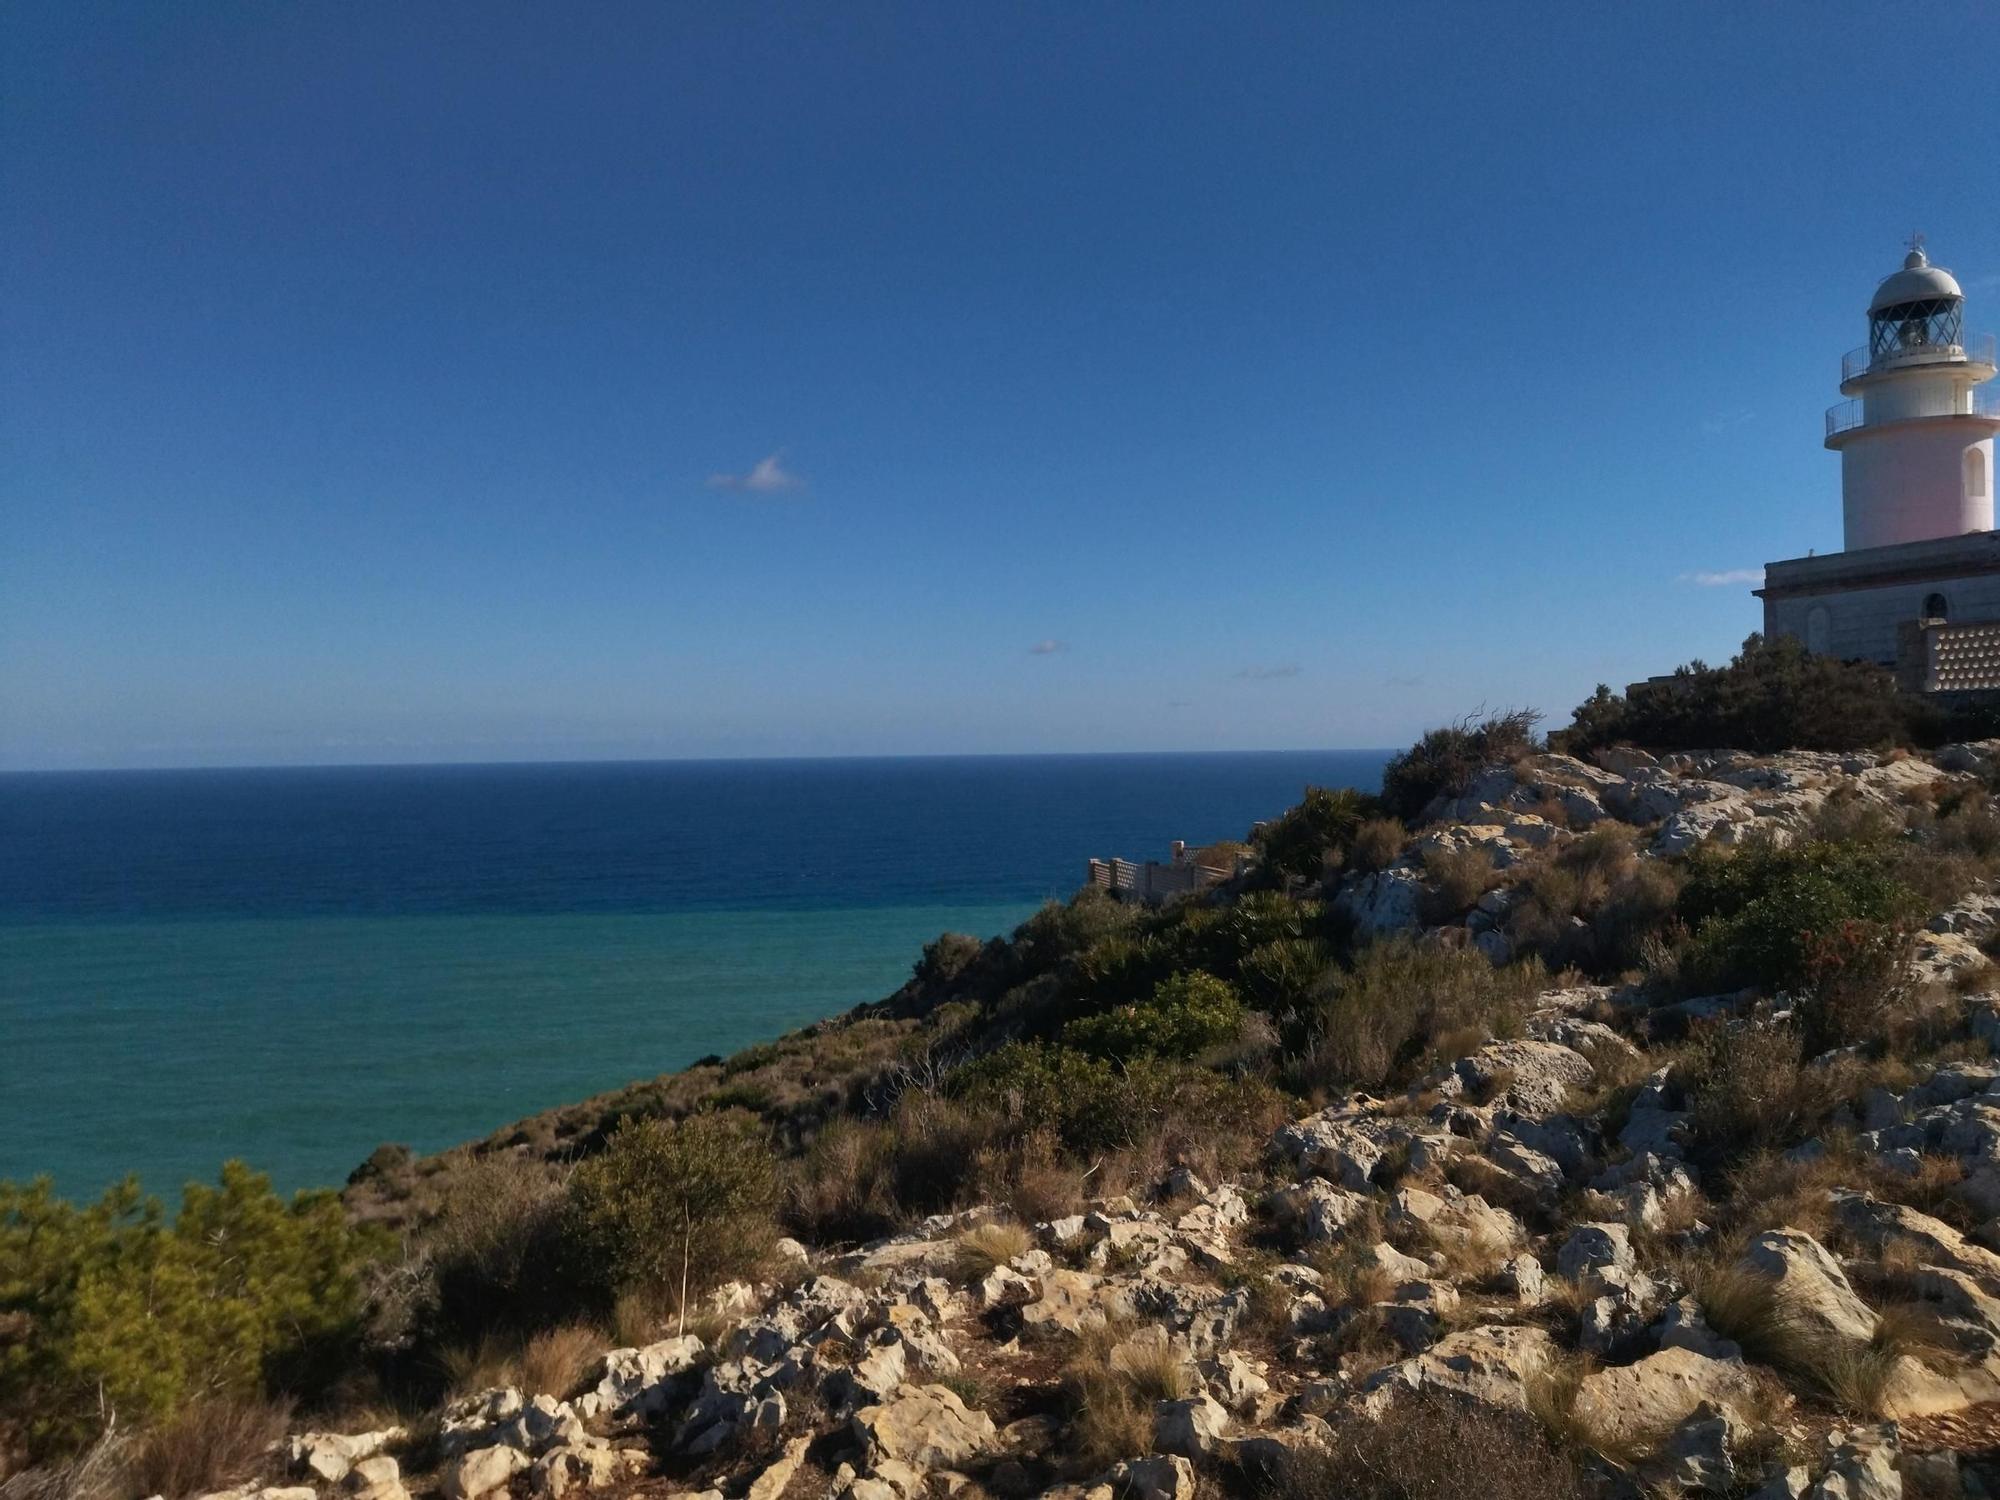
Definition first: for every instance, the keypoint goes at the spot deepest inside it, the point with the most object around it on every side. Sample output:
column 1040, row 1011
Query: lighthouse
column 1917, row 586
column 1916, row 438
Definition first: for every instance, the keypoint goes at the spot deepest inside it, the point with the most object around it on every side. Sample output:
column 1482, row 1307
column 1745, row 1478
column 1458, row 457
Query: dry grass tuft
column 552, row 1362
column 99, row 1472
column 204, row 1447
column 990, row 1246
column 1110, row 1384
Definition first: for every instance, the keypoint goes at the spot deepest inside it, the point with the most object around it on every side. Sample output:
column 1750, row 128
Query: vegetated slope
column 1611, row 1114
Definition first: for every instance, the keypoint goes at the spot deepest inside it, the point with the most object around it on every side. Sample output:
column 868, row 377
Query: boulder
column 1191, row 1427
column 1815, row 1291
column 1160, row 1477
column 1489, row 1364
column 376, row 1478
column 638, row 1381
column 1698, row 1456
column 1661, row 1391
column 1862, row 1469
column 1071, row 1300
column 482, row 1471
column 1382, row 901
column 1530, row 1077
column 771, row 1481
column 926, row 1426
column 1595, row 1248
column 1877, row 1224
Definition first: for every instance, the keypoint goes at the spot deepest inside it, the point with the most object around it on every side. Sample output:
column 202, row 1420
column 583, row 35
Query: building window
column 1819, row 629
column 1935, row 607
column 1975, row 474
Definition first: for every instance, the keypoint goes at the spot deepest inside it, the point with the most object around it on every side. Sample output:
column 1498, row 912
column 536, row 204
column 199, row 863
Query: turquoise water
column 295, row 966
column 301, row 1043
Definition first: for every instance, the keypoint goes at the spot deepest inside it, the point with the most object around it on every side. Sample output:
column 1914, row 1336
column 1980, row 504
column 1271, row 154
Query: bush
column 206, row 1446
column 497, row 1250
column 1091, row 1105
column 1749, row 1090
column 1455, row 880
column 1279, row 977
column 1299, row 844
column 1064, row 930
column 1775, row 695
column 1384, row 1018
column 1597, row 879
column 1755, row 914
column 121, row 1311
column 1376, row 844
column 676, row 1207
column 1186, row 1016
column 1857, row 982
column 945, row 958
column 1445, row 761
column 1428, row 1447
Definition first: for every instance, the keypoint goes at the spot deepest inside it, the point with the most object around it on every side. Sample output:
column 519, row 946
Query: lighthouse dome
column 1918, row 281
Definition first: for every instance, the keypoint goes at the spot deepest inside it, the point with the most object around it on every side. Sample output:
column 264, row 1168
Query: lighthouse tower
column 1918, row 587
column 1916, row 442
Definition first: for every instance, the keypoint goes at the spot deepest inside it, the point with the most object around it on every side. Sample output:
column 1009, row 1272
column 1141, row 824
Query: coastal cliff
column 1563, row 1120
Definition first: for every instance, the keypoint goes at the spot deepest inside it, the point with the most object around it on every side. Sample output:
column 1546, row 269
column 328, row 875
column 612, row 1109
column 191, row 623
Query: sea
column 292, row 966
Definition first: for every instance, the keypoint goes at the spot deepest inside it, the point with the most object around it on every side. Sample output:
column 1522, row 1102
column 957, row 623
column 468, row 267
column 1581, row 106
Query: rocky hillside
column 1609, row 1125
column 1637, row 1241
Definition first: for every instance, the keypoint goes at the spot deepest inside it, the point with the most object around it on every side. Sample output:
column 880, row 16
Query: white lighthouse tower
column 1916, row 442
column 1918, row 587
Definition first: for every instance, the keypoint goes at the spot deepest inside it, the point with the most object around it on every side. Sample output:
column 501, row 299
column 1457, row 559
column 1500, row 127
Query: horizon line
column 677, row 760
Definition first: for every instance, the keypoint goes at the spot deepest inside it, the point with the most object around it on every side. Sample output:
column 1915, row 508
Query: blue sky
column 458, row 381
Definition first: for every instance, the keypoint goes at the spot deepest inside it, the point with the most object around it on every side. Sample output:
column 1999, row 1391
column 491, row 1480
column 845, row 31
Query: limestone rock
column 1661, row 1391
column 1531, row 1077
column 926, row 1426
column 1489, row 1364
column 1594, row 1248
column 1814, row 1289
column 637, row 1381
column 770, row 1483
column 1071, row 1300
column 1860, row 1470
column 1160, row 1477
column 482, row 1471
column 328, row 1456
column 1191, row 1427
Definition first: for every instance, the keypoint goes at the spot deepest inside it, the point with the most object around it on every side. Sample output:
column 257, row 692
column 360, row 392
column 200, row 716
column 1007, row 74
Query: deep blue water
column 292, row 966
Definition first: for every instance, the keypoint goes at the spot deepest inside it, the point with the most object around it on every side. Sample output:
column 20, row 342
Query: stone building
column 1917, row 586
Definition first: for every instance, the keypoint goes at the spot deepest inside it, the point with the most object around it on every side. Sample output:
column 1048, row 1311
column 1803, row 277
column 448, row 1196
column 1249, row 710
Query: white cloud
column 1723, row 578
column 768, row 477
column 1269, row 674
column 1048, row 647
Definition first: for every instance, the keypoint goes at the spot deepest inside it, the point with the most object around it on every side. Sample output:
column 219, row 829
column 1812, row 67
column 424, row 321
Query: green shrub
column 1092, row 1105
column 1755, row 913
column 1279, row 976
column 945, row 958
column 1299, row 843
column 676, row 1206
column 1186, row 1015
column 116, row 1310
column 1376, row 844
column 1445, row 761
column 1775, row 695
column 1393, row 1012
column 1063, row 930
column 1857, row 983
column 1748, row 1090
column 497, row 1250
